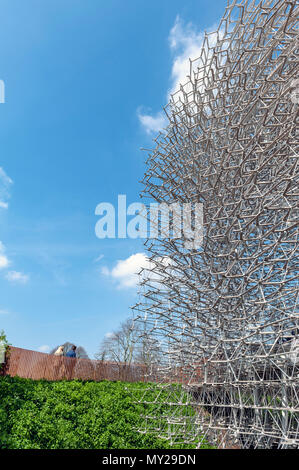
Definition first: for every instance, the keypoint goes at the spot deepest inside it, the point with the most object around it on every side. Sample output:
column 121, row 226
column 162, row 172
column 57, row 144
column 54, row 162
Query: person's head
column 74, row 348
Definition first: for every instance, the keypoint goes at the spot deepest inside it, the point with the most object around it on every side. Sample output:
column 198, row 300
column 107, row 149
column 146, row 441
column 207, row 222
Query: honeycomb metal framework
column 225, row 315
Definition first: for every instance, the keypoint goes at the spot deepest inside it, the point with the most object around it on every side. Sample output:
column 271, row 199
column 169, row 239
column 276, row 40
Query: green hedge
column 75, row 415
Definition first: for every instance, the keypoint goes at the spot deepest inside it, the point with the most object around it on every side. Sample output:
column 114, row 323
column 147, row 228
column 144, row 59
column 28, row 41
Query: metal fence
column 36, row 365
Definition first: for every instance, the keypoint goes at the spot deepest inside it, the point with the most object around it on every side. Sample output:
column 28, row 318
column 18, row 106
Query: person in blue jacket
column 71, row 352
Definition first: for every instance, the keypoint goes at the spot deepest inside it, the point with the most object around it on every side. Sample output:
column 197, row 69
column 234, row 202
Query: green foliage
column 3, row 337
column 3, row 343
column 74, row 415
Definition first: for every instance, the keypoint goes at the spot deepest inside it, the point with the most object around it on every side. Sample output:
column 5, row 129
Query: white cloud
column 44, row 348
column 152, row 124
column 4, row 261
column 109, row 335
column 3, row 205
column 185, row 42
column 15, row 276
column 125, row 272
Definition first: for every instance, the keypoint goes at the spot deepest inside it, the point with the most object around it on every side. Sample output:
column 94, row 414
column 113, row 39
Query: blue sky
column 85, row 82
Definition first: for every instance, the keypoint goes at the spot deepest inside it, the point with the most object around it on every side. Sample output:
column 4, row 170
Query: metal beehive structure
column 224, row 316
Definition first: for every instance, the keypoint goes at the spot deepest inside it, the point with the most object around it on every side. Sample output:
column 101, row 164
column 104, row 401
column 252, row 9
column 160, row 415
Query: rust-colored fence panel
column 36, row 365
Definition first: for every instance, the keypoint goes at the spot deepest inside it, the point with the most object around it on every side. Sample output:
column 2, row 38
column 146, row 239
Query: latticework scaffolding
column 221, row 320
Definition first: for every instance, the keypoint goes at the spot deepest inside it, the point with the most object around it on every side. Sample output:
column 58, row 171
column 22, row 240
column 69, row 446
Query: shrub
column 73, row 415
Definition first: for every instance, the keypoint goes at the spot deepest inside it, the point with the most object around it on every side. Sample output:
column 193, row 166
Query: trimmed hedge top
column 75, row 415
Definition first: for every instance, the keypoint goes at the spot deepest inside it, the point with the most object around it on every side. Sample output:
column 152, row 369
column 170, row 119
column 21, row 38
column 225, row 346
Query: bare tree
column 129, row 344
column 148, row 350
column 120, row 345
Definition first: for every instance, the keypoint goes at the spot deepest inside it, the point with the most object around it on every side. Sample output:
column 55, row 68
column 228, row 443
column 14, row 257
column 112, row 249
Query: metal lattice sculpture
column 221, row 320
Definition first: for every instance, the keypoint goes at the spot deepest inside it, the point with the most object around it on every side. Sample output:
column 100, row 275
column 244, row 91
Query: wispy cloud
column 11, row 276
column 5, row 183
column 44, row 348
column 5, row 178
column 185, row 42
column 17, row 277
column 3, row 311
column 99, row 258
column 109, row 335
